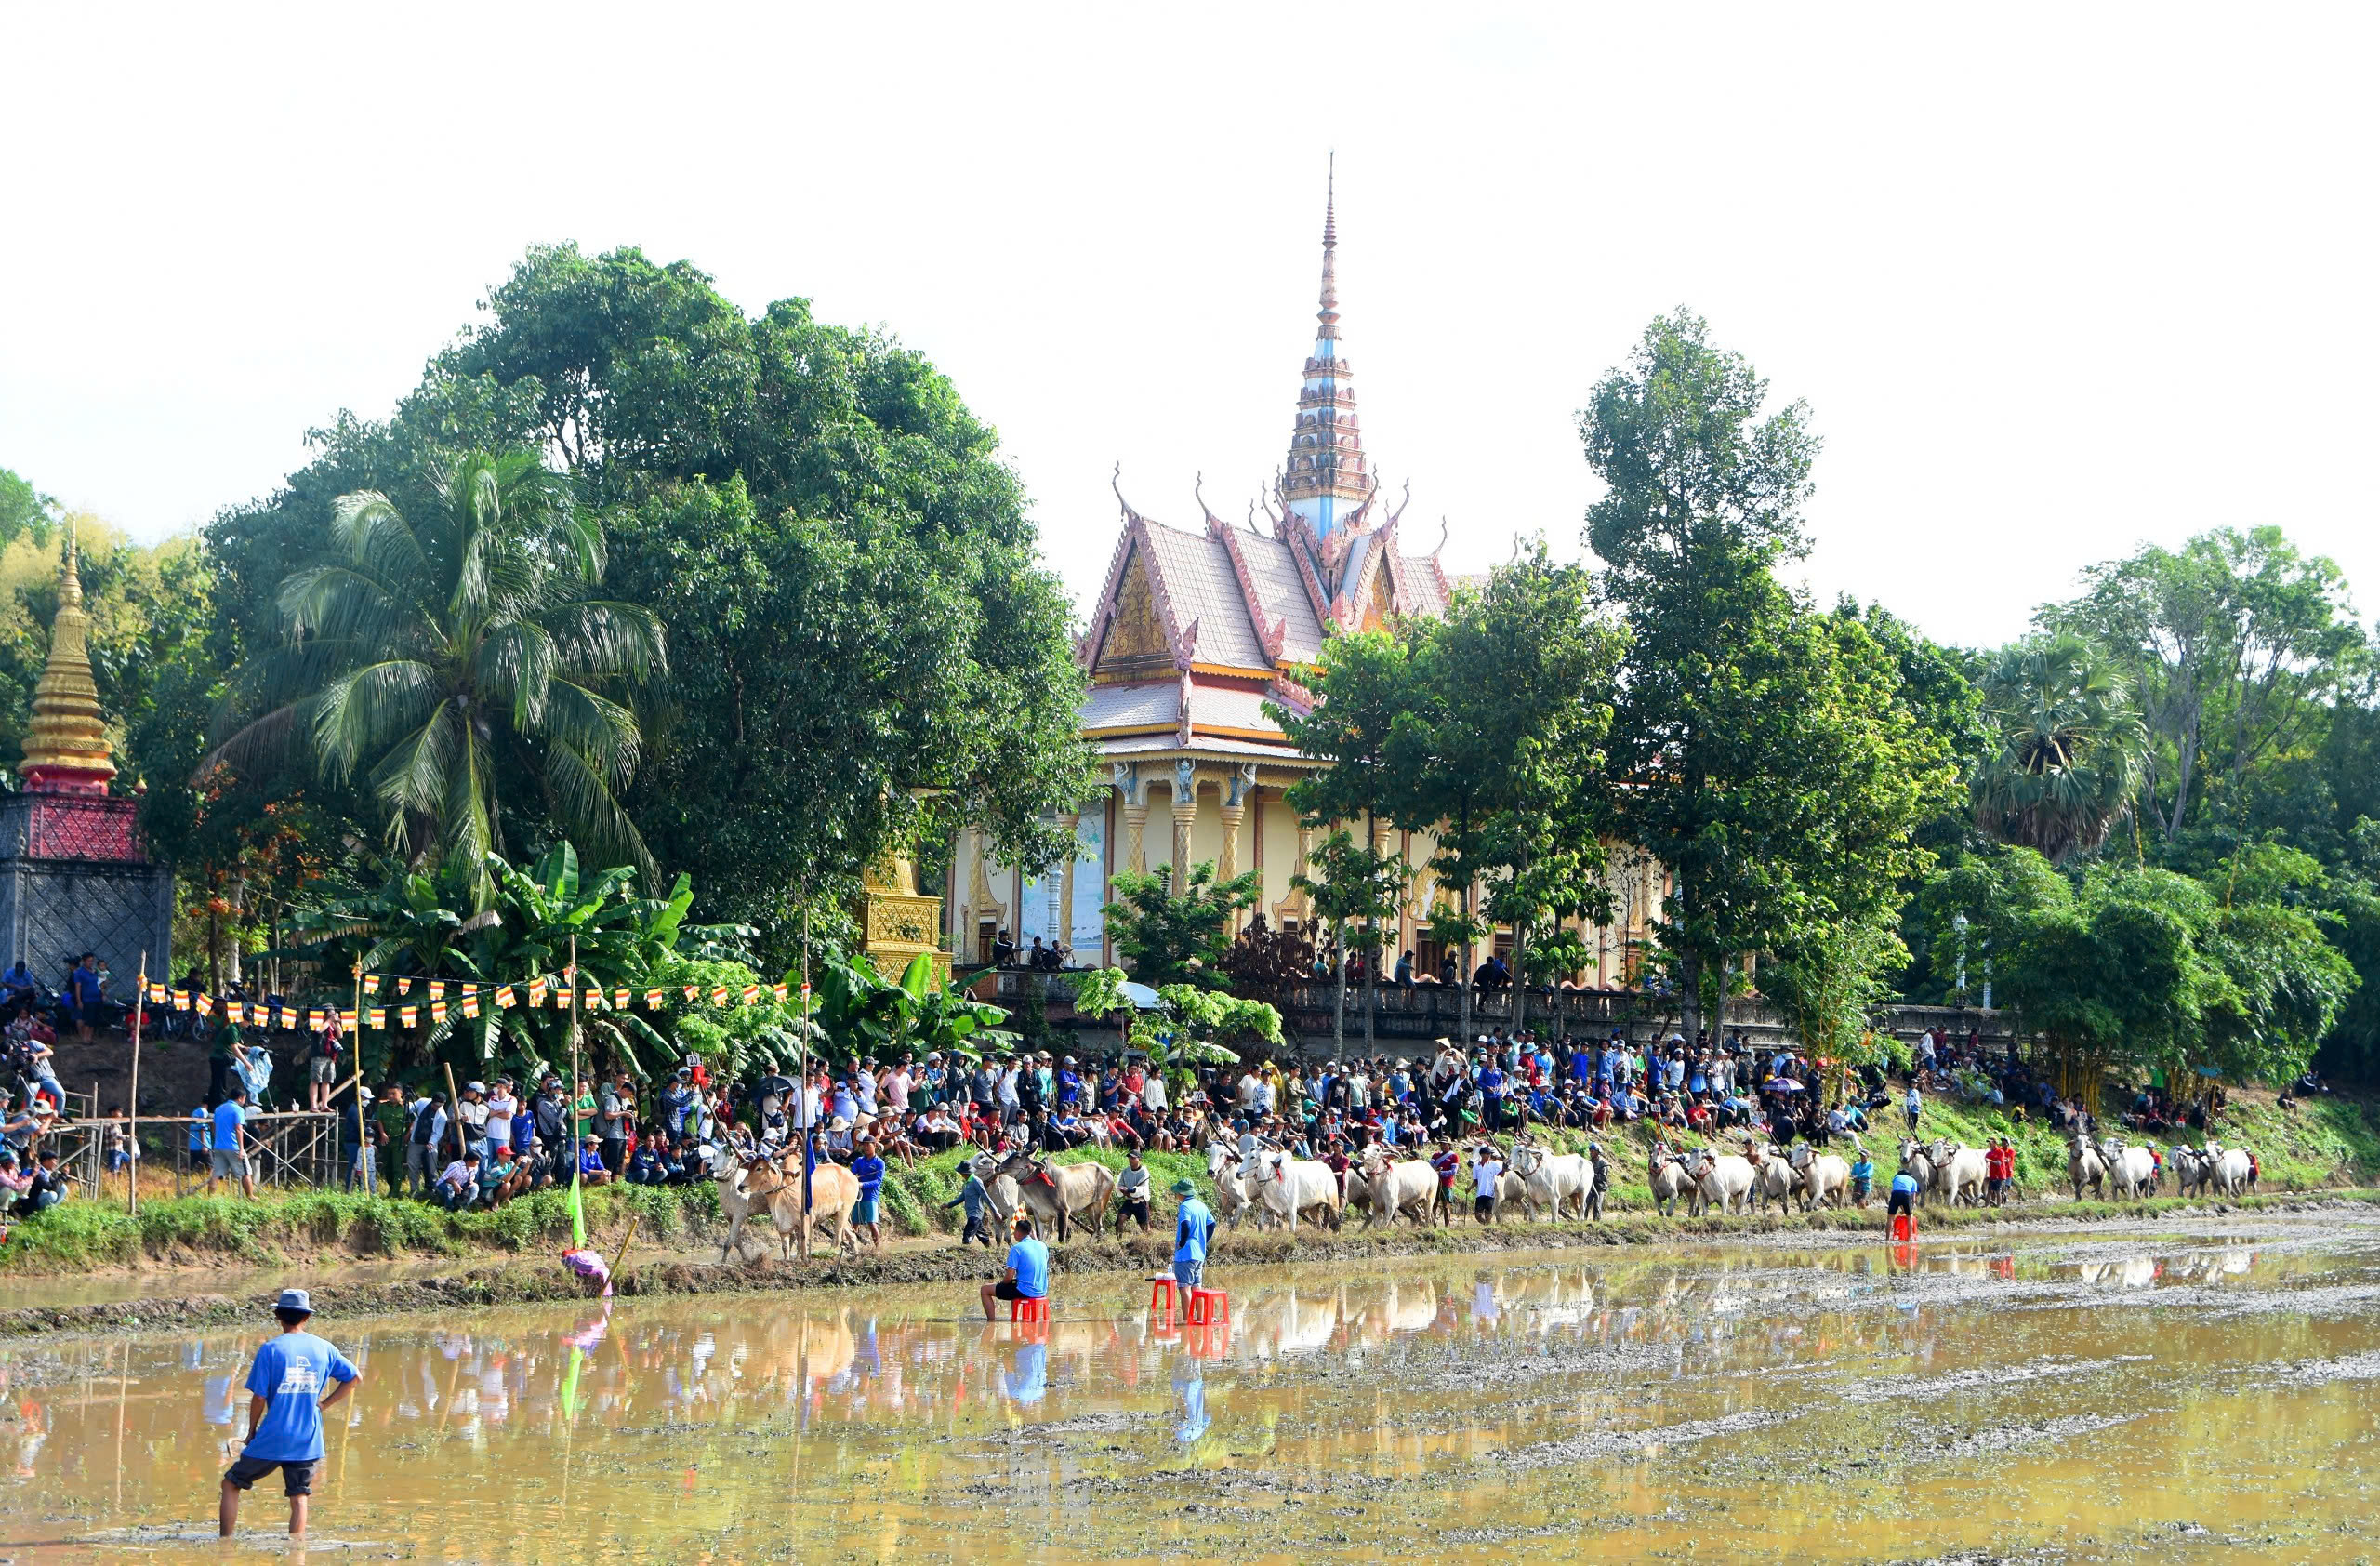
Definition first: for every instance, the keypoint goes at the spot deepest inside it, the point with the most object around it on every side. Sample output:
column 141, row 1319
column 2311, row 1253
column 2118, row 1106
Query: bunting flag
column 593, row 1000
column 404, row 986
column 371, row 984
column 205, row 1004
column 438, row 1013
column 563, row 1000
column 653, row 1000
column 405, row 1014
column 505, row 999
column 536, row 993
column 751, row 994
column 347, row 1020
column 719, row 996
column 778, row 990
column 157, row 994
column 181, row 999
column 470, row 1003
column 379, row 1019
column 437, row 990
column 620, row 998
column 691, row 990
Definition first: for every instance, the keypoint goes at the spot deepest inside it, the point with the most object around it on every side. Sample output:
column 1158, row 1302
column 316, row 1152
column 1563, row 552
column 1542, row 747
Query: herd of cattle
column 1270, row 1187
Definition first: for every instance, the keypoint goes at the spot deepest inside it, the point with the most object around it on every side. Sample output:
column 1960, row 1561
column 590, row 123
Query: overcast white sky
column 2055, row 279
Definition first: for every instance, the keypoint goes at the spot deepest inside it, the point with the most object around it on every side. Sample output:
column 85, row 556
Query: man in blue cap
column 286, row 1396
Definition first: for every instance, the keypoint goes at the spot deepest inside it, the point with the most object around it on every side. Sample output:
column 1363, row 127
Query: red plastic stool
column 1208, row 1306
column 1029, row 1309
column 1161, row 1284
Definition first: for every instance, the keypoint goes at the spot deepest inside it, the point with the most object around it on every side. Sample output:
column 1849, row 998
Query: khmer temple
column 74, row 875
column 1197, row 629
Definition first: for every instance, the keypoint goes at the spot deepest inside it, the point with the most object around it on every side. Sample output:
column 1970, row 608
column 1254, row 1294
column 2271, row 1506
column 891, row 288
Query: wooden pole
column 454, row 1109
column 355, row 1084
column 801, row 1089
column 132, row 1132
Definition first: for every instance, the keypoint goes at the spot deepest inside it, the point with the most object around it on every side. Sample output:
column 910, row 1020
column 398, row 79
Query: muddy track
column 532, row 1283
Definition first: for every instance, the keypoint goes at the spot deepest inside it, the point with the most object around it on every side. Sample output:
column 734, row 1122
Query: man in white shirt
column 1153, row 1092
column 1487, row 1178
column 501, row 1108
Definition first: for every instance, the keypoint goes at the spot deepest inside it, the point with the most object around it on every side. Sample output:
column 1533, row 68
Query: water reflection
column 1426, row 1397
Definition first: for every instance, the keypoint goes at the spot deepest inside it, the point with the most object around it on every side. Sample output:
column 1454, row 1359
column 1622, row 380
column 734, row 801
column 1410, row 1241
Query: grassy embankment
column 2326, row 1143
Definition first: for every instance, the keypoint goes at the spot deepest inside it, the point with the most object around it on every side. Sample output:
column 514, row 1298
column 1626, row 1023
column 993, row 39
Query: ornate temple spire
column 1327, row 481
column 66, row 745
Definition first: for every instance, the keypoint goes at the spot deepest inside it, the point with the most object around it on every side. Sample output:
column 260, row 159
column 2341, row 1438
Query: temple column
column 1134, row 794
column 1185, row 811
column 1238, row 787
column 1069, row 822
column 1305, row 866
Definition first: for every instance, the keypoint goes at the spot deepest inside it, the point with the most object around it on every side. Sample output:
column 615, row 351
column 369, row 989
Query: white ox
column 1290, row 1187
column 1721, row 1180
column 1821, row 1178
column 1772, row 1177
column 2234, row 1171
column 1670, row 1181
column 1552, row 1180
column 2129, row 1171
column 1958, row 1172
column 1410, row 1188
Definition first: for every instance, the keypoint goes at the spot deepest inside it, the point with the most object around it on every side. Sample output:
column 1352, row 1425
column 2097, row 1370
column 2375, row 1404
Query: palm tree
column 429, row 661
column 2068, row 753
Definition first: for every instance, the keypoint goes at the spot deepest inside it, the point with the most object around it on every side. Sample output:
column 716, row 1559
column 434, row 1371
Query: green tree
column 2234, row 645
column 1362, row 686
column 2068, row 753
column 1174, row 938
column 1703, row 497
column 1194, row 1027
column 1869, row 770
column 439, row 661
column 1526, row 670
column 24, row 511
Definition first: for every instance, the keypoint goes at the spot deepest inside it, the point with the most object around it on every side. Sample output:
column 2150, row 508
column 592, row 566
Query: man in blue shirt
column 86, row 996
column 286, row 1396
column 1904, row 1194
column 231, row 1153
column 1194, row 1222
column 1027, row 1273
column 868, row 1169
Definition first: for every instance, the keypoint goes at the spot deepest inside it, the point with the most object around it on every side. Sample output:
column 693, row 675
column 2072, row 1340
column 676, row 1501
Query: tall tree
column 438, row 661
column 1362, row 686
column 1525, row 671
column 2067, row 755
column 845, row 565
column 2233, row 644
column 1703, row 497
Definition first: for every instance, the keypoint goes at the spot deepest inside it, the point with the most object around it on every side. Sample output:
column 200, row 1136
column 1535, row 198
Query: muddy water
column 2165, row 1396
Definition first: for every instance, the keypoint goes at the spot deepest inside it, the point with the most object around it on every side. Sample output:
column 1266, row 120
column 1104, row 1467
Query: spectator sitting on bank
column 591, row 1171
column 646, row 1165
column 458, row 1184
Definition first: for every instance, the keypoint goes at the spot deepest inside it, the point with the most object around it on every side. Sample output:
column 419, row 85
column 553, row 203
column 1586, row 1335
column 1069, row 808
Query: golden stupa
column 66, row 746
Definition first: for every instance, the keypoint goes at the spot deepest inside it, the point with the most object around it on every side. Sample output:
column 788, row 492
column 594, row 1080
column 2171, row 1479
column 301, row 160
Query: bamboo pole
column 801, row 1089
column 355, row 1084
column 132, row 1132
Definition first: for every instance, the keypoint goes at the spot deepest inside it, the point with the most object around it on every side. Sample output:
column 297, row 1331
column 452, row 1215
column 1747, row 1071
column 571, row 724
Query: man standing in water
column 1194, row 1224
column 285, row 1403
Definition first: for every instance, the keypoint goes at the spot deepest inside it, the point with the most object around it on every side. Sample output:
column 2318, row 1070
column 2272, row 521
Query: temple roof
column 1197, row 629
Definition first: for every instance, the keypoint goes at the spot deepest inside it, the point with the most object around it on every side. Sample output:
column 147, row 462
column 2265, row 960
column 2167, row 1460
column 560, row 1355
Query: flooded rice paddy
column 2164, row 1395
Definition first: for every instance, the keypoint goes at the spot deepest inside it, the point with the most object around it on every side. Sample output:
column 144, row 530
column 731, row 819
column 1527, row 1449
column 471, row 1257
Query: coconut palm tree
column 434, row 661
column 2069, row 753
